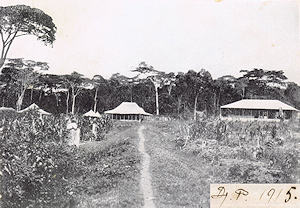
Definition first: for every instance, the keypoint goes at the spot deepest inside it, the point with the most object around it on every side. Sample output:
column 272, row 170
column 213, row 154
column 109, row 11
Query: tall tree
column 259, row 82
column 98, row 81
column 156, row 77
column 180, row 90
column 55, row 85
column 76, row 82
column 20, row 20
column 21, row 75
column 126, row 82
column 169, row 81
column 292, row 94
column 224, row 89
column 197, row 83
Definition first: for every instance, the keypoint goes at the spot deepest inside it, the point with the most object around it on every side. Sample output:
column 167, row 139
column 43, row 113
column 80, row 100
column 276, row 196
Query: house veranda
column 252, row 109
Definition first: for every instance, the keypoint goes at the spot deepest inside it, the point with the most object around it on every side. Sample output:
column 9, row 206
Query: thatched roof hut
column 128, row 111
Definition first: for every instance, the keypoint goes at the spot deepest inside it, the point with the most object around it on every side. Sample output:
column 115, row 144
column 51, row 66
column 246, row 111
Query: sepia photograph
column 149, row 104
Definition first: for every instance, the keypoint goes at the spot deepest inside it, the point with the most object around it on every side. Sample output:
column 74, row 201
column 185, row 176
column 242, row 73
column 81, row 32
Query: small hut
column 7, row 111
column 255, row 109
column 35, row 107
column 128, row 111
column 91, row 113
column 92, row 119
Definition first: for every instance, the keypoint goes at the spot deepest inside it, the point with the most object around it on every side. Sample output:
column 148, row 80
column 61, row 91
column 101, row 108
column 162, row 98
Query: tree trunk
column 131, row 94
column 179, row 104
column 20, row 100
column 2, row 60
column 56, row 98
column 195, row 107
column 31, row 95
column 73, row 103
column 156, row 99
column 95, row 100
column 67, row 102
column 215, row 102
column 170, row 89
column 40, row 96
column 219, row 98
column 244, row 92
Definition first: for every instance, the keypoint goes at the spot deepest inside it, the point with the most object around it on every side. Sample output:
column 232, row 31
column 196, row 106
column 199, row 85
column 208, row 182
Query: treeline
column 181, row 94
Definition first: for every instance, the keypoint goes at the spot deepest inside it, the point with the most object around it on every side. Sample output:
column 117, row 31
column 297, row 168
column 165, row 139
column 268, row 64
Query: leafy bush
column 104, row 125
column 35, row 162
column 256, row 152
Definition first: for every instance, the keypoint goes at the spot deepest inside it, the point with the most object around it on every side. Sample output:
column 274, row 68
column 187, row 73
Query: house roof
column 33, row 107
column 259, row 104
column 91, row 113
column 6, row 109
column 128, row 108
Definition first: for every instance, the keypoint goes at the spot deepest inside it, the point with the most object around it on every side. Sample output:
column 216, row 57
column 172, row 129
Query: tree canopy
column 158, row 78
column 20, row 20
column 19, row 75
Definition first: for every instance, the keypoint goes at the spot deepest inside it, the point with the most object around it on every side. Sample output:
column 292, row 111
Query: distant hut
column 7, row 111
column 92, row 119
column 128, row 111
column 254, row 109
column 35, row 107
column 2, row 109
column 91, row 113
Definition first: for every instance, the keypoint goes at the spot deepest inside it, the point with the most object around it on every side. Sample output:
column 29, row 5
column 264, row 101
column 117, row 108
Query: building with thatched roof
column 91, row 113
column 127, row 111
column 34, row 107
column 7, row 109
column 254, row 109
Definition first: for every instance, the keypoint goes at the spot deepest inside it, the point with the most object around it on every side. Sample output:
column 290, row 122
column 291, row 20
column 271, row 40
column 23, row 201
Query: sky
column 113, row 36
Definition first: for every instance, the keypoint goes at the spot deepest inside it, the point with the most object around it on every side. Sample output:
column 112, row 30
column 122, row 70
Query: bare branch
column 6, row 41
column 22, row 35
column 2, row 38
column 8, row 47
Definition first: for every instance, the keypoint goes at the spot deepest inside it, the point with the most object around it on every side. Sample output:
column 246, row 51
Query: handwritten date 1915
column 255, row 195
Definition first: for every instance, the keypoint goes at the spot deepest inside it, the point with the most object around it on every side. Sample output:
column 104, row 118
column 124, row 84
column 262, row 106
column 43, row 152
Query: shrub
column 104, row 125
column 251, row 151
column 35, row 162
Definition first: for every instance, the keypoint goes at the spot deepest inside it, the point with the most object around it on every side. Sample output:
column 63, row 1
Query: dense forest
column 23, row 82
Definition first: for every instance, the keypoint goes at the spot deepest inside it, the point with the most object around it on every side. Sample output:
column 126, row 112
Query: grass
column 178, row 179
column 107, row 172
column 182, row 177
column 110, row 171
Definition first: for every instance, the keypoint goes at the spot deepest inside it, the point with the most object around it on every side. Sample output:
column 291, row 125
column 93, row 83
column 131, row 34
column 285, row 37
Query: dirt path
column 179, row 179
column 145, row 176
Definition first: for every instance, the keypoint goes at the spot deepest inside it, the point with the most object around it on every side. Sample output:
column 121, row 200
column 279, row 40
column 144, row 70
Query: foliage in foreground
column 104, row 125
column 243, row 152
column 103, row 169
column 39, row 169
column 35, row 161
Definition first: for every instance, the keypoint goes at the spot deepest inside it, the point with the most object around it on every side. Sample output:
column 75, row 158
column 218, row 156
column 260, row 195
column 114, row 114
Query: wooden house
column 254, row 109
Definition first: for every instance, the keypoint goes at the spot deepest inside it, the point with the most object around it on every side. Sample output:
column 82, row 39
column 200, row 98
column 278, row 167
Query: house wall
column 254, row 114
column 128, row 117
